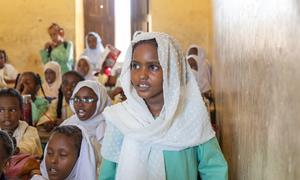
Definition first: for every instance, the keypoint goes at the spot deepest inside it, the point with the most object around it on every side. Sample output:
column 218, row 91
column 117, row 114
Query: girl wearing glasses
column 88, row 101
column 162, row 131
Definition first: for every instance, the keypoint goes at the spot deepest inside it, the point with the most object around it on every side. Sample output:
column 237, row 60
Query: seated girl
column 30, row 83
column 84, row 67
column 202, row 69
column 52, row 79
column 88, row 102
column 68, row 155
column 162, row 130
column 8, row 73
column 6, row 151
column 26, row 136
column 59, row 109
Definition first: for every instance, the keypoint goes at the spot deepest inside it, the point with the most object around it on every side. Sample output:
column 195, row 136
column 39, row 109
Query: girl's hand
column 47, row 45
column 20, row 87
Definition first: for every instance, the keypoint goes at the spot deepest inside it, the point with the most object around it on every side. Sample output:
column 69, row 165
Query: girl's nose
column 143, row 73
column 53, row 159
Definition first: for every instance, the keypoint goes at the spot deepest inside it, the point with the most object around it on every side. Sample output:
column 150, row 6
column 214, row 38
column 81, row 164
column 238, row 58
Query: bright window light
column 122, row 26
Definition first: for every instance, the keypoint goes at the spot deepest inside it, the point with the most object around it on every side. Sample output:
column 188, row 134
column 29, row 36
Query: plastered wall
column 256, row 80
column 189, row 21
column 24, row 23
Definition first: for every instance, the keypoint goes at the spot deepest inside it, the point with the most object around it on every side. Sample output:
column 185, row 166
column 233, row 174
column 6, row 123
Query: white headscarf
column 89, row 75
column 95, row 55
column 85, row 166
column 202, row 75
column 182, row 123
column 95, row 125
column 52, row 89
column 204, row 66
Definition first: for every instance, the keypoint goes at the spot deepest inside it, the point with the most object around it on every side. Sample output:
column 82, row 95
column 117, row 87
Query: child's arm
column 39, row 107
column 44, row 56
column 212, row 164
column 30, row 142
column 107, row 170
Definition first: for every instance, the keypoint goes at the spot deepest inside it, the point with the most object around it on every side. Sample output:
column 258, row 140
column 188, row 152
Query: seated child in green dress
column 30, row 83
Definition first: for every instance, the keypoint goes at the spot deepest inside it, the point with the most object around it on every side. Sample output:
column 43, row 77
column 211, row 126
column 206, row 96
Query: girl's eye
column 154, row 67
column 2, row 110
column 63, row 155
column 13, row 110
column 134, row 65
column 49, row 152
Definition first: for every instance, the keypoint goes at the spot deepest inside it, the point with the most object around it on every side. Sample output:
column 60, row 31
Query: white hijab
column 204, row 66
column 85, row 166
column 89, row 75
column 202, row 75
column 52, row 89
column 95, row 55
column 95, row 125
column 182, row 123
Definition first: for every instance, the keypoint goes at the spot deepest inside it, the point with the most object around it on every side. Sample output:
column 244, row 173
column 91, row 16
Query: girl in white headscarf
column 52, row 79
column 94, row 50
column 68, row 155
column 88, row 101
column 203, row 74
column 85, row 68
column 163, row 126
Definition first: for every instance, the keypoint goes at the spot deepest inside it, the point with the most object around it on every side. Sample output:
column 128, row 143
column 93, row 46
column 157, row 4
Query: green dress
column 62, row 54
column 38, row 108
column 205, row 160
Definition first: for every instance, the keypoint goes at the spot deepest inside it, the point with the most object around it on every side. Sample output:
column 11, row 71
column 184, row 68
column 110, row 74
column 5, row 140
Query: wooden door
column 139, row 15
column 99, row 17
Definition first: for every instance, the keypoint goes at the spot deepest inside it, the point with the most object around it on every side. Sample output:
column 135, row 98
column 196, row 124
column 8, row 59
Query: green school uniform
column 62, row 54
column 38, row 108
column 205, row 160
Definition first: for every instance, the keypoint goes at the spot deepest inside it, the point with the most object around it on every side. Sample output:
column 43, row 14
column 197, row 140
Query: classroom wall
column 23, row 28
column 190, row 22
column 256, row 80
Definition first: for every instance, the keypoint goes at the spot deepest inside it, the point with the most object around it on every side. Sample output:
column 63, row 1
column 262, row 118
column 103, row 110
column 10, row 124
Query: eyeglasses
column 84, row 100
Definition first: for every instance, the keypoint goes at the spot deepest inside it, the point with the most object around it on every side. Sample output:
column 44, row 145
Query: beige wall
column 23, row 28
column 189, row 21
column 257, row 85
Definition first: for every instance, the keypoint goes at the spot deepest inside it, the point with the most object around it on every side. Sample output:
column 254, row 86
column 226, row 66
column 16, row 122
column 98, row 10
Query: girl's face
column 193, row 63
column 2, row 60
column 85, row 103
column 146, row 72
column 54, row 35
column 92, row 41
column 193, row 51
column 61, row 156
column 50, row 76
column 83, row 67
column 69, row 82
column 10, row 113
column 28, row 85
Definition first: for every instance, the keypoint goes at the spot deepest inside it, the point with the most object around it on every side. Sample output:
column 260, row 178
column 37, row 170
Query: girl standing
column 58, row 49
column 162, row 130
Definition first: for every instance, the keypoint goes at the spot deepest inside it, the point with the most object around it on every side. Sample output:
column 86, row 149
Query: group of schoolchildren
column 160, row 128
